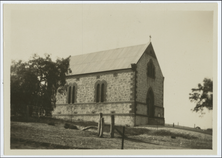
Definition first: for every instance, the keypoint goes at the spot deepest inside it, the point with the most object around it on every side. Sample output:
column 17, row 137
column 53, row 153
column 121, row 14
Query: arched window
column 100, row 91
column 150, row 103
column 151, row 69
column 71, row 93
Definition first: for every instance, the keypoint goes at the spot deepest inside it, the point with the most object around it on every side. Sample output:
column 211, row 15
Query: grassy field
column 38, row 134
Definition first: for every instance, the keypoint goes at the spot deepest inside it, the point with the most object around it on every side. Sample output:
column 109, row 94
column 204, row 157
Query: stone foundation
column 141, row 120
column 156, row 121
column 90, row 112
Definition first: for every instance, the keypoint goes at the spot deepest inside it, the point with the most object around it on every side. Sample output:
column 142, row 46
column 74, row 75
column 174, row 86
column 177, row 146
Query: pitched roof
column 115, row 59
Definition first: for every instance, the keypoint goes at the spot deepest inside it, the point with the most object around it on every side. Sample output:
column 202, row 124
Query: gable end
column 149, row 51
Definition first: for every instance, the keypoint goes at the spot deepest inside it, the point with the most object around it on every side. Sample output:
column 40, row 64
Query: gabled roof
column 115, row 59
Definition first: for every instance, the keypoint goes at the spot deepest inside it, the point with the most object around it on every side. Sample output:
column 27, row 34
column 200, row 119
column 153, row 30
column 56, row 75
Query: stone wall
column 119, row 98
column 119, row 87
column 156, row 121
column 159, row 112
column 143, row 83
column 141, row 120
column 141, row 109
column 93, row 108
column 126, row 120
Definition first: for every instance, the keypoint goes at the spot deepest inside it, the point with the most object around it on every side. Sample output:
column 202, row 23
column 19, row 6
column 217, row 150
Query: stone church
column 125, row 82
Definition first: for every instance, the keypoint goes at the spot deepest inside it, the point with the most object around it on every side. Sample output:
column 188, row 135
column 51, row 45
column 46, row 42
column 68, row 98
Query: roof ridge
column 110, row 49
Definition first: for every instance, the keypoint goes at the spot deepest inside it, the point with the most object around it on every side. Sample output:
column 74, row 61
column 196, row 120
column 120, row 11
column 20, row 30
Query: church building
column 125, row 82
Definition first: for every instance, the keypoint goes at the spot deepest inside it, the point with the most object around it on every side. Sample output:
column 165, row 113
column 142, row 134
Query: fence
column 112, row 128
column 187, row 128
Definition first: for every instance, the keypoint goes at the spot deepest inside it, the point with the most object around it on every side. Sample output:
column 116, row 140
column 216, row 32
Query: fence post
column 99, row 123
column 173, row 124
column 123, row 137
column 112, row 126
column 102, row 127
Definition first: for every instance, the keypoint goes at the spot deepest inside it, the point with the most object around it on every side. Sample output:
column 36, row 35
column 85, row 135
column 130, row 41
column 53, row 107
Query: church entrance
column 150, row 103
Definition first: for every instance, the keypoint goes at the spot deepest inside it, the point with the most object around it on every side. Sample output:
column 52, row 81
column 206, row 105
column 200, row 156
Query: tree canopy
column 202, row 96
column 35, row 82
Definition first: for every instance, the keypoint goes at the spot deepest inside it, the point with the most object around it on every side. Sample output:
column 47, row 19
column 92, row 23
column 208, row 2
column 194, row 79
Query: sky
column 182, row 39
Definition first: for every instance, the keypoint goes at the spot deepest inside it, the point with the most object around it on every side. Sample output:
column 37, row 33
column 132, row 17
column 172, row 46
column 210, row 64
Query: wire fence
column 196, row 129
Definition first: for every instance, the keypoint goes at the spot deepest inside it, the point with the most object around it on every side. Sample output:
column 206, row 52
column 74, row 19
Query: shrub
column 70, row 126
column 51, row 123
column 66, row 125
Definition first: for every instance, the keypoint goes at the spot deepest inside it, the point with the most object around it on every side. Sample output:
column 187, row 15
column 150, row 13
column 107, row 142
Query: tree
column 23, row 86
column 202, row 96
column 36, row 82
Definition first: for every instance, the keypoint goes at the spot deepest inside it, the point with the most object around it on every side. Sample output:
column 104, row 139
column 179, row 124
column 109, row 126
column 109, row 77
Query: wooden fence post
column 112, row 126
column 123, row 137
column 102, row 127
column 99, row 123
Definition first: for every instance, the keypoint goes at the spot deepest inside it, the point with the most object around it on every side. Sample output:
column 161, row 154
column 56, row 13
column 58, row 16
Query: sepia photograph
column 102, row 78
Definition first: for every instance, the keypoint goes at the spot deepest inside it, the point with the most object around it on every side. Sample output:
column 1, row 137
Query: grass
column 24, row 143
column 49, row 133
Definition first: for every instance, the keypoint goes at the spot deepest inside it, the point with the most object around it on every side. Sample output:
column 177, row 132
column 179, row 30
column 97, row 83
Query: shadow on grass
column 27, row 144
column 169, row 133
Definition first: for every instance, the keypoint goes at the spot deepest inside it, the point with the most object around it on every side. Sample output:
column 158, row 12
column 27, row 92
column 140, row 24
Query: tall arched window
column 98, row 93
column 150, row 69
column 71, row 93
column 102, row 92
column 150, row 103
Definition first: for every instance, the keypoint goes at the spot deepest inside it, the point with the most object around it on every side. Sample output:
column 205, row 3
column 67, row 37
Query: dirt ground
column 35, row 135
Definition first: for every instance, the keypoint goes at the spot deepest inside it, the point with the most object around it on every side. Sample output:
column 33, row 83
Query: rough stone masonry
column 127, row 90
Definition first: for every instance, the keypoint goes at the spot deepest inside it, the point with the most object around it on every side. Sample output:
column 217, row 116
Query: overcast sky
column 182, row 40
